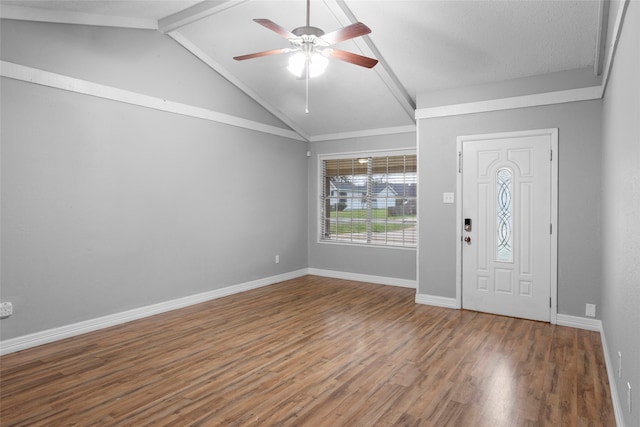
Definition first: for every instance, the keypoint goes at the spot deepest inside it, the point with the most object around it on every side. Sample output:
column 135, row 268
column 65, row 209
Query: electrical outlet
column 6, row 309
column 590, row 310
column 619, row 365
column 277, row 259
column 629, row 396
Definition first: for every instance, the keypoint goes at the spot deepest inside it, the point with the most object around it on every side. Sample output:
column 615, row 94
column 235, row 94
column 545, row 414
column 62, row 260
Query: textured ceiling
column 423, row 46
column 436, row 45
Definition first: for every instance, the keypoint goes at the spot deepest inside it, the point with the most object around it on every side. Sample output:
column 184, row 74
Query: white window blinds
column 369, row 199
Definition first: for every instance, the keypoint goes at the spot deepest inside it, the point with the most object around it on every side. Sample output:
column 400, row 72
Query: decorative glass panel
column 504, row 226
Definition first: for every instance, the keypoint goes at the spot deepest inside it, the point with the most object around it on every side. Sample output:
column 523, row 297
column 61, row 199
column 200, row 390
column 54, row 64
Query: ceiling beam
column 217, row 67
column 195, row 13
column 612, row 42
column 345, row 17
column 601, row 36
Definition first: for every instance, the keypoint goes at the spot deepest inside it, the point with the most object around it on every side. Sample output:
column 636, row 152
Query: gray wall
column 579, row 247
column 620, row 213
column 108, row 206
column 141, row 61
column 377, row 261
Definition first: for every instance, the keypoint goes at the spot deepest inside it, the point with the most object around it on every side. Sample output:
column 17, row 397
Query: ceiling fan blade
column 353, row 58
column 349, row 32
column 276, row 28
column 259, row 54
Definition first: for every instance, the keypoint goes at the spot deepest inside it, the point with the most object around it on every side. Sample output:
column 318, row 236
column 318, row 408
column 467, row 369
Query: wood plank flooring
column 313, row 352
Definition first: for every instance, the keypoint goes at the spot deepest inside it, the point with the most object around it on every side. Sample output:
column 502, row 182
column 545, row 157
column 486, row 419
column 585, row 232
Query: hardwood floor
column 313, row 352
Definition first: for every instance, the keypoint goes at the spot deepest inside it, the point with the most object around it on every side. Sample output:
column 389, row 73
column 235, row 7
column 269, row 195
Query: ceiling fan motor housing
column 308, row 31
column 308, row 36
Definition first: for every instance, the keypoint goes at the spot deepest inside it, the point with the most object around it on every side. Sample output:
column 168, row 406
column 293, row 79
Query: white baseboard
column 596, row 325
column 380, row 280
column 55, row 334
column 611, row 373
column 437, row 301
column 579, row 322
column 67, row 331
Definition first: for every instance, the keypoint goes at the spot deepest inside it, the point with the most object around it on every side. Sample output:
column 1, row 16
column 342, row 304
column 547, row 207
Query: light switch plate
column 448, row 197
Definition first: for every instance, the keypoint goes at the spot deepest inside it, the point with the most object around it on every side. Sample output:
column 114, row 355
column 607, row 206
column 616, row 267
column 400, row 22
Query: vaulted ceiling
column 422, row 46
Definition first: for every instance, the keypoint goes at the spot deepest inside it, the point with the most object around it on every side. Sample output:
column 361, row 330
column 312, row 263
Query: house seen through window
column 369, row 199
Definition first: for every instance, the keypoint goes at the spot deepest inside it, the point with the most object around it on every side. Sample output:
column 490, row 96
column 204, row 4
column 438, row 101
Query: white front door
column 507, row 223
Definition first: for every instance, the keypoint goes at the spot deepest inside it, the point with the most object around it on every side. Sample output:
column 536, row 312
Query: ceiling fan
column 312, row 48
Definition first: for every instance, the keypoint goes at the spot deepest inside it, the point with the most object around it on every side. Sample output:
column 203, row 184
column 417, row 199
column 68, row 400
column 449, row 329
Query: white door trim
column 553, row 134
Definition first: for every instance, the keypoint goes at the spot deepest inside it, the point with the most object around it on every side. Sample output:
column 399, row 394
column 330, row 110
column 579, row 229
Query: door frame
column 552, row 133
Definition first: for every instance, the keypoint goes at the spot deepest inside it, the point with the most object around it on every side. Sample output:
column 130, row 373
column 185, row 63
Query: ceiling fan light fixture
column 317, row 64
column 311, row 47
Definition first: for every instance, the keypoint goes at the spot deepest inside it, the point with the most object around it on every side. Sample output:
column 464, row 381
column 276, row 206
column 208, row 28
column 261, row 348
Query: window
column 369, row 199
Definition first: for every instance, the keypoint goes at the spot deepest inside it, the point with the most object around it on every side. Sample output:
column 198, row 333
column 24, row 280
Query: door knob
column 467, row 239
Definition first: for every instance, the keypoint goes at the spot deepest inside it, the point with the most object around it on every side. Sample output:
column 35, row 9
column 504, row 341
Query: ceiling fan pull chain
column 311, row 44
column 306, row 106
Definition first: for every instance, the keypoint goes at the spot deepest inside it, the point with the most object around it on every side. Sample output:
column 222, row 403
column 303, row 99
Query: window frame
column 321, row 202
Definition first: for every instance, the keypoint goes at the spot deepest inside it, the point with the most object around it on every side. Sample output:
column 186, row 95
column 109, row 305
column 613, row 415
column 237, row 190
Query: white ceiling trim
column 613, row 43
column 557, row 97
column 194, row 13
column 601, row 36
column 68, row 17
column 364, row 133
column 345, row 16
column 46, row 78
column 217, row 67
column 535, row 100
